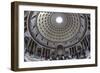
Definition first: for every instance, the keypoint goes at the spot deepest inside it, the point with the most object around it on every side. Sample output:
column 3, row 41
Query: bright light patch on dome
column 59, row 19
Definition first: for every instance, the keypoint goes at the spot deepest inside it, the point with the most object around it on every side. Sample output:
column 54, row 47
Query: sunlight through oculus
column 59, row 20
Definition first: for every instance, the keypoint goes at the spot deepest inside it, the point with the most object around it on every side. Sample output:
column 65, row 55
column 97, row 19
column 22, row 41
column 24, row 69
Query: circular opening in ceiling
column 59, row 19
